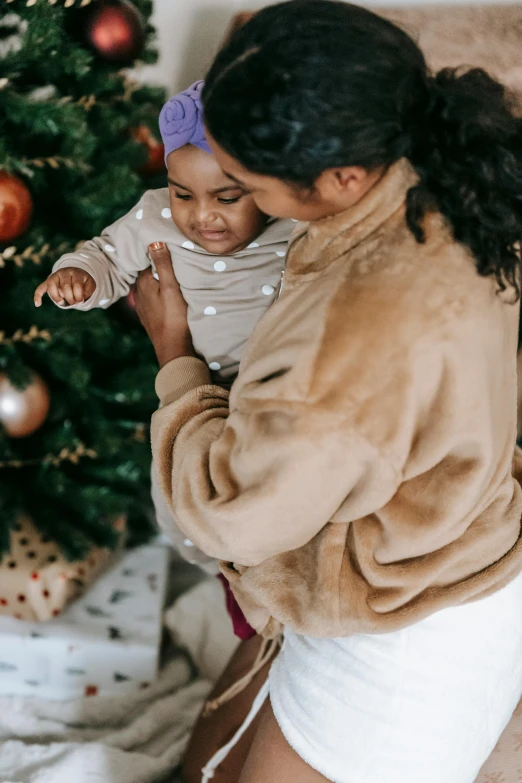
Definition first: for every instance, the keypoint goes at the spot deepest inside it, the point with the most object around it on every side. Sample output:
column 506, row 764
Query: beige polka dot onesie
column 226, row 295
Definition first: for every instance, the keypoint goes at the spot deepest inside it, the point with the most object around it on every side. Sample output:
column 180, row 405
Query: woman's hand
column 162, row 309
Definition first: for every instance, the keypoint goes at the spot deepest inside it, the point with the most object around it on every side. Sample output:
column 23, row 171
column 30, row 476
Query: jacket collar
column 316, row 245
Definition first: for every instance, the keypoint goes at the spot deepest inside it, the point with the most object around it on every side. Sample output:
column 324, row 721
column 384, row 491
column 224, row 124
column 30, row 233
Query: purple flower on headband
column 181, row 121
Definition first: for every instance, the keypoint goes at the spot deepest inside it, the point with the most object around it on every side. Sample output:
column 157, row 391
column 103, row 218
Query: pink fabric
column 241, row 628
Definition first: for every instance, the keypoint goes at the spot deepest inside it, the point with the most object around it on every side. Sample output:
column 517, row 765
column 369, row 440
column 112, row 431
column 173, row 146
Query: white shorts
column 423, row 705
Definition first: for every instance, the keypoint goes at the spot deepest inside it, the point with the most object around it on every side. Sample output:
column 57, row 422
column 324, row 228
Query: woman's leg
column 272, row 760
column 215, row 730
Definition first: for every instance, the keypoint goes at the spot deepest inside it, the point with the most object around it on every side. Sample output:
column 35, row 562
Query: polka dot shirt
column 226, row 295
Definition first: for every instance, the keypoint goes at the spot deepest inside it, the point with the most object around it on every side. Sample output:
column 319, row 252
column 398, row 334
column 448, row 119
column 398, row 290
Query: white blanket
column 139, row 738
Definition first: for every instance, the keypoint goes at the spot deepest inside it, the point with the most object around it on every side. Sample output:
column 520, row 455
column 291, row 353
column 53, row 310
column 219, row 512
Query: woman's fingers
column 162, row 260
column 161, row 308
column 146, row 281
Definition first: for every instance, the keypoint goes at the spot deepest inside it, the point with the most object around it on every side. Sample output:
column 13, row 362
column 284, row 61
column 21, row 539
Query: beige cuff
column 179, row 376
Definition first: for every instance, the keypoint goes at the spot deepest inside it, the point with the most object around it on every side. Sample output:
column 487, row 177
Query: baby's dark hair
column 308, row 85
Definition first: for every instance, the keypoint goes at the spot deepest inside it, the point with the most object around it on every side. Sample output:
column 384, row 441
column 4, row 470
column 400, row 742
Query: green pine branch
column 66, row 117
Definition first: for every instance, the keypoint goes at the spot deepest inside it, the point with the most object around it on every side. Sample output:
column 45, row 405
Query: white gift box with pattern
column 106, row 643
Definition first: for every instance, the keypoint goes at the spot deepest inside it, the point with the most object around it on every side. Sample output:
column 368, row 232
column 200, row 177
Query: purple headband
column 181, row 121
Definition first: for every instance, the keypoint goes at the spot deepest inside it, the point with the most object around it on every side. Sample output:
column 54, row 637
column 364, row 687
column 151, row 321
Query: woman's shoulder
column 389, row 309
column 413, row 288
column 399, row 305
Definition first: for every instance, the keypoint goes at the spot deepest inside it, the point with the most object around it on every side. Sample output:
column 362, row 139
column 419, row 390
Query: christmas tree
column 76, row 152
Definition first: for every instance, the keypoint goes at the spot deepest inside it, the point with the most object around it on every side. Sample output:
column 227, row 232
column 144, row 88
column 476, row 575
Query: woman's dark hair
column 309, row 85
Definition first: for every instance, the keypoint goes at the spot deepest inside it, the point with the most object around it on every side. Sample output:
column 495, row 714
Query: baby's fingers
column 67, row 289
column 40, row 293
column 54, row 291
column 89, row 287
column 79, row 292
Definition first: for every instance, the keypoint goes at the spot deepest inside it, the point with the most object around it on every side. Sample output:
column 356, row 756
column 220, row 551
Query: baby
column 228, row 257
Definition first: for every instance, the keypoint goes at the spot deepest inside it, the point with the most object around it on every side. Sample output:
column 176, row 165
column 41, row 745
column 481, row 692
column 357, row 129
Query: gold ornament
column 22, row 411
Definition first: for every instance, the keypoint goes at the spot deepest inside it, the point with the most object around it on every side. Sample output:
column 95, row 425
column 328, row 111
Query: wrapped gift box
column 36, row 579
column 107, row 642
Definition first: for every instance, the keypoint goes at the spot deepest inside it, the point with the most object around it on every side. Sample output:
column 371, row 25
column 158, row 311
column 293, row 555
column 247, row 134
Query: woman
column 358, row 482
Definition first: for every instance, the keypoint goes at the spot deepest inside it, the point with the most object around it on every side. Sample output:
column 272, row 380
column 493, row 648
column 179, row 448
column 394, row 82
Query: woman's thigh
column 215, row 730
column 272, row 760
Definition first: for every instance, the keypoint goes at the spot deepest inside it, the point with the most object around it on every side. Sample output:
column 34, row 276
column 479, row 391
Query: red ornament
column 16, row 207
column 116, row 29
column 156, row 151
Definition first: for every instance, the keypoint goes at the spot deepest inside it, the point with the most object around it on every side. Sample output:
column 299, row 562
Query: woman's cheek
column 273, row 206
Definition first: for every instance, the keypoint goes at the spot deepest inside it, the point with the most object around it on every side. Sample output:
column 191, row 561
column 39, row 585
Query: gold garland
column 129, row 87
column 25, row 337
column 67, row 4
column 140, row 433
column 55, row 162
column 86, row 101
column 65, row 455
column 30, row 254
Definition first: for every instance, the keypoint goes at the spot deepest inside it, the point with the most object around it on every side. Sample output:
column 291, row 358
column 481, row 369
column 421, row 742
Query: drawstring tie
column 209, row 769
column 268, row 648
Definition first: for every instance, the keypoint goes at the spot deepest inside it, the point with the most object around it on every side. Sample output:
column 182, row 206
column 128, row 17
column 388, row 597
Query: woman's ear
column 345, row 185
column 350, row 177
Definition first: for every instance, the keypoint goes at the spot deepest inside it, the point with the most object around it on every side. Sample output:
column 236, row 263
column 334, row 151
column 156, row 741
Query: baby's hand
column 69, row 285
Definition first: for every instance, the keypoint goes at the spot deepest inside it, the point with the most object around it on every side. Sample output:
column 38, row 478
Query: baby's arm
column 101, row 271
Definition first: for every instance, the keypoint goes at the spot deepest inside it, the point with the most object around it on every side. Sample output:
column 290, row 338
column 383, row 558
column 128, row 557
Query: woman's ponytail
column 468, row 153
column 315, row 84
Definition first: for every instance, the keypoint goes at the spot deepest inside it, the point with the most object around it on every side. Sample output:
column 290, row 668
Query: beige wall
column 190, row 31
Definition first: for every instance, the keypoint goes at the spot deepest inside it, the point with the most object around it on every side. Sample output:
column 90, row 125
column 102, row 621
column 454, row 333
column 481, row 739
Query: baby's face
column 209, row 208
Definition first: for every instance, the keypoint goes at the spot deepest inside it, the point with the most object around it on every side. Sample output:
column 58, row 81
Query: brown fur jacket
column 360, row 474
